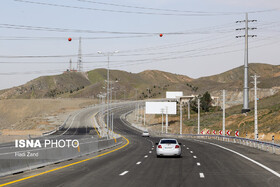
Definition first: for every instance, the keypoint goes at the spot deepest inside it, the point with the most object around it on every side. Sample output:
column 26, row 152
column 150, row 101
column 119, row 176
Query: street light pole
column 108, row 54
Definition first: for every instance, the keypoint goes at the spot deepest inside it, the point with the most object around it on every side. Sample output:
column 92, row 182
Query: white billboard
column 161, row 107
column 173, row 95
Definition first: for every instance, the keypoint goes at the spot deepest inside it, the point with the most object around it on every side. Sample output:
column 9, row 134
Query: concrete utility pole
column 162, row 120
column 198, row 116
column 246, row 87
column 181, row 118
column 224, row 112
column 166, row 112
column 255, row 77
column 112, row 122
column 189, row 110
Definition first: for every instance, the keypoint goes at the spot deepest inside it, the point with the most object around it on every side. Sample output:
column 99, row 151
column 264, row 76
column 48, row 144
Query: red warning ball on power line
column 69, row 39
column 160, row 35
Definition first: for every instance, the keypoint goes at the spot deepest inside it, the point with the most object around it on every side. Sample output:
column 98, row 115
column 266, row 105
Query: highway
column 135, row 164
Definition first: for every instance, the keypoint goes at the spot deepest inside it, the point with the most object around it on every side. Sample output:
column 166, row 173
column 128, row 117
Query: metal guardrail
column 262, row 145
column 9, row 164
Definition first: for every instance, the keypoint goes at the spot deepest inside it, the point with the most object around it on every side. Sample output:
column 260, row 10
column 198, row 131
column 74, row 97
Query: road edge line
column 243, row 156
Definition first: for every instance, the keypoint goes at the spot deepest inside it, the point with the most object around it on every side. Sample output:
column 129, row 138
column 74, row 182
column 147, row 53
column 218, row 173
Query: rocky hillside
column 48, row 86
column 149, row 84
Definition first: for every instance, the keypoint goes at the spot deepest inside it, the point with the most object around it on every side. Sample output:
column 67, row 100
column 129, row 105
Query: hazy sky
column 198, row 35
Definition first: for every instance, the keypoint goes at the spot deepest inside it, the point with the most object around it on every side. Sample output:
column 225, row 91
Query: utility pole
column 255, row 77
column 80, row 63
column 166, row 123
column 246, row 87
column 189, row 110
column 224, row 112
column 70, row 68
column 112, row 122
column 198, row 116
column 181, row 118
column 162, row 120
column 108, row 54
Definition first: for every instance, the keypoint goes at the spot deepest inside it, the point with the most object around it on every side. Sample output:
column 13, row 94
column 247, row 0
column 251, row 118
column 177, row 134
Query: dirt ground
column 32, row 117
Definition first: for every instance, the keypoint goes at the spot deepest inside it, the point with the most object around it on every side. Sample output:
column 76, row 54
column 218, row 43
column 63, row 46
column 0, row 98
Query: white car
column 145, row 134
column 168, row 147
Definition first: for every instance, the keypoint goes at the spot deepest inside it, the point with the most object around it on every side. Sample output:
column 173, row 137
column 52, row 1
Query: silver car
column 168, row 147
column 145, row 134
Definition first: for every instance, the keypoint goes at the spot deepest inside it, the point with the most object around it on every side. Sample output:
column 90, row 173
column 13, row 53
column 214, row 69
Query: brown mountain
column 150, row 83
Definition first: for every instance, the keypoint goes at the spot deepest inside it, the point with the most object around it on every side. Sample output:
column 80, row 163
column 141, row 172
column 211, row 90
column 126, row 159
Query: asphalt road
column 136, row 164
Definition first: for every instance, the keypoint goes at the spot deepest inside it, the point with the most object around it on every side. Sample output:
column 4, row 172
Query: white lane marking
column 187, row 148
column 184, row 145
column 152, row 148
column 198, row 164
column 194, row 157
column 123, row 173
column 201, row 175
column 239, row 154
column 191, row 151
column 146, row 156
column 150, row 151
column 138, row 163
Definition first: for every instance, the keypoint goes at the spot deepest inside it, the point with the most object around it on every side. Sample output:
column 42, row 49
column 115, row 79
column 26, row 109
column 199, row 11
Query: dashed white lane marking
column 123, row 173
column 198, row 164
column 187, row 148
column 201, row 175
column 138, row 163
column 184, row 145
column 146, row 156
column 194, row 157
column 191, row 151
column 257, row 163
column 152, row 148
column 150, row 151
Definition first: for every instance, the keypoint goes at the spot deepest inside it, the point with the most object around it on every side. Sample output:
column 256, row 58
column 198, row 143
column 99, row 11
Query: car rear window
column 168, row 142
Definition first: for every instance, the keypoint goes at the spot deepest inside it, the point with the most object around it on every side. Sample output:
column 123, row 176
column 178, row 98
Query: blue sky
column 195, row 45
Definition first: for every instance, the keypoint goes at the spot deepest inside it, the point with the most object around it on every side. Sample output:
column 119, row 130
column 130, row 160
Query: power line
column 129, row 12
column 157, row 9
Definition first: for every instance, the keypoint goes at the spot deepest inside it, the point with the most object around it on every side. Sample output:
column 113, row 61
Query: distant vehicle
column 145, row 134
column 168, row 147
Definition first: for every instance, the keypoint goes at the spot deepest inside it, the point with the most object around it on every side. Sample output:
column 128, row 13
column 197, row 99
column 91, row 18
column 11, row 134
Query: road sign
column 236, row 133
column 173, row 95
column 228, row 132
column 201, row 132
column 220, row 132
column 208, row 131
column 161, row 107
column 213, row 132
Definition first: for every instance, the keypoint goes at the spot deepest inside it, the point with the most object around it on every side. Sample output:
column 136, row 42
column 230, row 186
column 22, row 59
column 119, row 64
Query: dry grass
column 37, row 114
